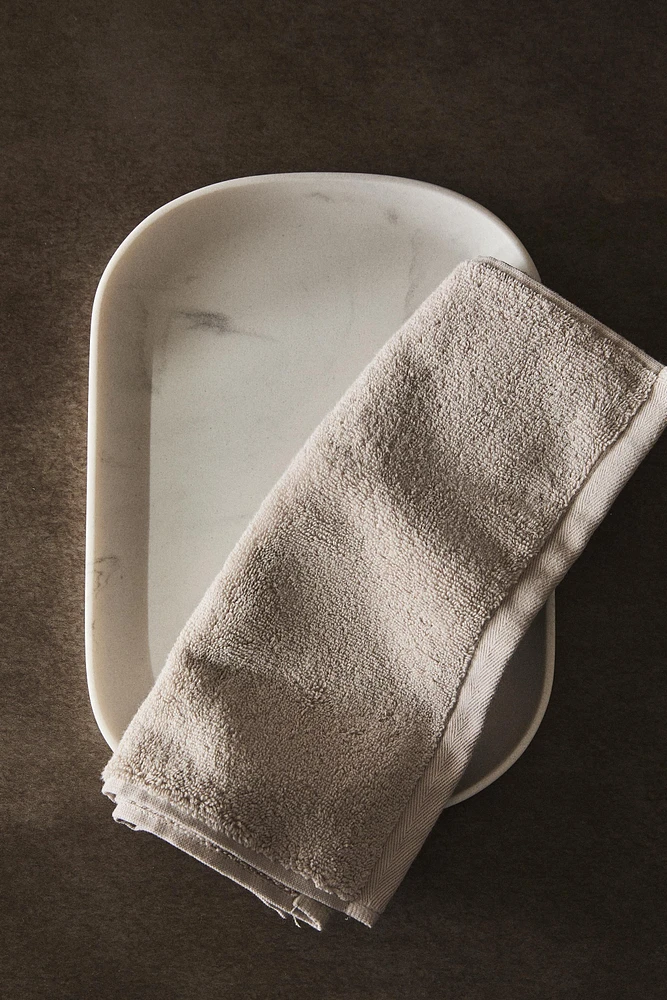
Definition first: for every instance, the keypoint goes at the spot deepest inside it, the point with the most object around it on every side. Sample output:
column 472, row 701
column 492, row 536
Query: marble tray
column 223, row 329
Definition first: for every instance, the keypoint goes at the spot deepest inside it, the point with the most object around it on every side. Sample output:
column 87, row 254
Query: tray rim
column 91, row 470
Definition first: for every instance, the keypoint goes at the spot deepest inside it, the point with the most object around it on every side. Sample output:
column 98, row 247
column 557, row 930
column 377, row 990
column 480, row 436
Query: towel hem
column 280, row 889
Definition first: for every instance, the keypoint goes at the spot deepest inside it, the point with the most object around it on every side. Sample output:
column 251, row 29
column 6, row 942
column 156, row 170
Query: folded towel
column 322, row 702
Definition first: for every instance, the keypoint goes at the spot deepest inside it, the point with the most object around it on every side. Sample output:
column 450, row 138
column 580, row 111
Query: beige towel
column 321, row 703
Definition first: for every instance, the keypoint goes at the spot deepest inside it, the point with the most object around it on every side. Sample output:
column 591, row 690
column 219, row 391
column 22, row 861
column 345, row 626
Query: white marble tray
column 224, row 328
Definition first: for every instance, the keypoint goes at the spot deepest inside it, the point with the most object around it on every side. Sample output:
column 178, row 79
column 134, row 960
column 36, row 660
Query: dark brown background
column 548, row 883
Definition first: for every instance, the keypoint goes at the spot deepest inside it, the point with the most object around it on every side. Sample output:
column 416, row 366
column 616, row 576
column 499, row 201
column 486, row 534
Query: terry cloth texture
column 323, row 700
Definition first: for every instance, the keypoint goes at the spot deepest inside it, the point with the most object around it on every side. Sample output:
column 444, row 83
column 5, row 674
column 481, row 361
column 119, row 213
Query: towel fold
column 322, row 702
